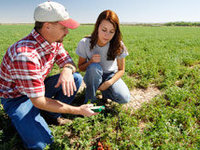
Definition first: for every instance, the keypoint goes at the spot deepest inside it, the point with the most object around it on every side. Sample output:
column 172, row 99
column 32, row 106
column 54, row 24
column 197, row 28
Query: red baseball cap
column 54, row 12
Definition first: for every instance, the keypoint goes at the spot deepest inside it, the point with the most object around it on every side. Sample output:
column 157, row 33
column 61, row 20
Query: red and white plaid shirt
column 27, row 63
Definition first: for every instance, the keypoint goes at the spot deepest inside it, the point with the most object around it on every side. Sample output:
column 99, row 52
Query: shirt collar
column 107, row 45
column 48, row 48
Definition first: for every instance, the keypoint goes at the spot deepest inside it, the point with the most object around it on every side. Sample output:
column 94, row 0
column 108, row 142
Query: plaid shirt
column 27, row 63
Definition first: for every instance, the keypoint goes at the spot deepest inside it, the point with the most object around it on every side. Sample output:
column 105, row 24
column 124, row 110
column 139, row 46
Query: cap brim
column 69, row 23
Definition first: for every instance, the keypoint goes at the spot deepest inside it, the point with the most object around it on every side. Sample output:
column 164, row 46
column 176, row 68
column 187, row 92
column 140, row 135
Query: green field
column 165, row 57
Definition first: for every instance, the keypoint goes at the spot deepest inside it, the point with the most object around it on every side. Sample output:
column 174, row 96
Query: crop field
column 167, row 58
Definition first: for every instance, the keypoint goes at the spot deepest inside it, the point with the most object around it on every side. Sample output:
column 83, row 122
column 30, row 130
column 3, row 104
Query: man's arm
column 56, row 106
column 66, row 79
column 70, row 66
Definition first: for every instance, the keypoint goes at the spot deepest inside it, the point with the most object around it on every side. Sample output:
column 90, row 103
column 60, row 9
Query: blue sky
column 86, row 11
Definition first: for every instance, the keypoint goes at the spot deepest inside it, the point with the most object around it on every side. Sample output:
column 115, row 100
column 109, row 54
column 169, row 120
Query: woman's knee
column 94, row 68
column 78, row 77
column 124, row 98
column 94, row 73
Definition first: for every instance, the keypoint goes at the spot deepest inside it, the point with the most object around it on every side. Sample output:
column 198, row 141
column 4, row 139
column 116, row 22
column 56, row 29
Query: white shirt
column 108, row 66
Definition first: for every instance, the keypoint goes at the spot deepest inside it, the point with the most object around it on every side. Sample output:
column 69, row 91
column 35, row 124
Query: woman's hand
column 96, row 58
column 104, row 86
column 117, row 76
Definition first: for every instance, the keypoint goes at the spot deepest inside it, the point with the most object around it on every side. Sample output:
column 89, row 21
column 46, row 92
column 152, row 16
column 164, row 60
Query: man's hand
column 66, row 79
column 86, row 111
column 56, row 106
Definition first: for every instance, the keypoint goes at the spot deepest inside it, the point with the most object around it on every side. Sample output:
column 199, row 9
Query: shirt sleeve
column 124, row 52
column 63, row 56
column 26, row 73
column 81, row 49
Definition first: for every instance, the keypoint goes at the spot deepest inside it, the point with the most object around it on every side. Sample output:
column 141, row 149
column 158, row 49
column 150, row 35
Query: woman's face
column 106, row 32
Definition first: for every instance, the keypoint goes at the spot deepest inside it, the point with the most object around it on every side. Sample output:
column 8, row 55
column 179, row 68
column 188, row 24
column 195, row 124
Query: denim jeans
column 26, row 118
column 57, row 93
column 94, row 77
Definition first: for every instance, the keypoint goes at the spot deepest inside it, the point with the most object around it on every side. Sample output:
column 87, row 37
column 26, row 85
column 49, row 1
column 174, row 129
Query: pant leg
column 118, row 92
column 57, row 93
column 93, row 79
column 26, row 118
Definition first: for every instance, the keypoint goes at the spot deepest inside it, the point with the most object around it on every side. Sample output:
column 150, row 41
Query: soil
column 138, row 96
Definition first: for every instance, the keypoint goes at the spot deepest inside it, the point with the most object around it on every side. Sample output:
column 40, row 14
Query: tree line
column 182, row 23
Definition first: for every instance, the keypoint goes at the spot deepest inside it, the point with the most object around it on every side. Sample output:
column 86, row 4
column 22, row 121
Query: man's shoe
column 63, row 121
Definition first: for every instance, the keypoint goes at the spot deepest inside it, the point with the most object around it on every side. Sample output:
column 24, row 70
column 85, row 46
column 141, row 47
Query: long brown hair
column 115, row 43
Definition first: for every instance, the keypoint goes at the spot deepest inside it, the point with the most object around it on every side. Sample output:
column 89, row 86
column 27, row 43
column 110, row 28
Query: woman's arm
column 117, row 76
column 83, row 63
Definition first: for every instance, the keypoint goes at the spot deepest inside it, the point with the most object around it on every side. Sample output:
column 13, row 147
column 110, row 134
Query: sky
column 128, row 11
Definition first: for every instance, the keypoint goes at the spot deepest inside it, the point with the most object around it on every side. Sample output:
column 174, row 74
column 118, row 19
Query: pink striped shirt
column 27, row 63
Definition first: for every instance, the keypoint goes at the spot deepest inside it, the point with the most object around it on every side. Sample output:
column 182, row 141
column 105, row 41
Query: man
column 24, row 91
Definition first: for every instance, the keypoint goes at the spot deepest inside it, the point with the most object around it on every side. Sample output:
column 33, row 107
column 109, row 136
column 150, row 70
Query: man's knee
column 39, row 145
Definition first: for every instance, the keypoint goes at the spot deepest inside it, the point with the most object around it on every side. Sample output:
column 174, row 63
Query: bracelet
column 70, row 67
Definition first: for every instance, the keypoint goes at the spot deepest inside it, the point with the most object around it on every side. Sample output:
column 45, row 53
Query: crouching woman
column 102, row 56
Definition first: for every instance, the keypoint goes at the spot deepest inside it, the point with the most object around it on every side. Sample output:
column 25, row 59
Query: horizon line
column 120, row 22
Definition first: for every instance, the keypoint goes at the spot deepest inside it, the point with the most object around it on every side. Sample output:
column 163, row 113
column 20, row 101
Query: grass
column 168, row 58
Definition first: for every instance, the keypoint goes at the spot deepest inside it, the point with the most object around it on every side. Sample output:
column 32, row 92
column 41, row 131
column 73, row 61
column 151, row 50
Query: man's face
column 57, row 32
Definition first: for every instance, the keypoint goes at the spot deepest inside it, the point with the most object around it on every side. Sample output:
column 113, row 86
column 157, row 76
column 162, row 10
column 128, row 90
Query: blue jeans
column 57, row 93
column 26, row 118
column 94, row 77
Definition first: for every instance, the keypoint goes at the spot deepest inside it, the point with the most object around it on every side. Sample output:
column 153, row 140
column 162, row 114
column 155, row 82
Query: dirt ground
column 138, row 96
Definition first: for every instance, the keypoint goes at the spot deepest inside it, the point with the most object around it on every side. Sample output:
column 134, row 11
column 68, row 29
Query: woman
column 102, row 56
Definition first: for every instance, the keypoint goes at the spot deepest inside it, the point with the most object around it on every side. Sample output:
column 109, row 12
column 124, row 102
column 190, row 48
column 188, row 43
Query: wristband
column 70, row 67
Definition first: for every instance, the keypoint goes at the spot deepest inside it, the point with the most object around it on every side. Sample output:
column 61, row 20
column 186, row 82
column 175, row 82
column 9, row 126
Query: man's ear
column 46, row 25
